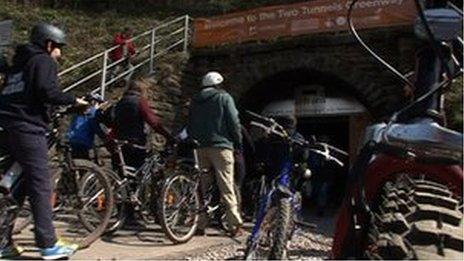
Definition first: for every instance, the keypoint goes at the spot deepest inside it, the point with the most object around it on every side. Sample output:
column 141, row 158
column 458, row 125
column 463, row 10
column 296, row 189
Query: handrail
column 88, row 77
column 80, row 64
column 170, row 22
column 150, row 41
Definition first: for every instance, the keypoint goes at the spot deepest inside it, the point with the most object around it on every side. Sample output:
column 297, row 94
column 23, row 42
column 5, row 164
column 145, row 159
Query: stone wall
column 334, row 58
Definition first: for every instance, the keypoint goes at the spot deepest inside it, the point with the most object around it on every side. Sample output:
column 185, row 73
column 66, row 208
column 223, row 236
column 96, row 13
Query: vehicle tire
column 179, row 208
column 416, row 219
column 85, row 213
column 282, row 229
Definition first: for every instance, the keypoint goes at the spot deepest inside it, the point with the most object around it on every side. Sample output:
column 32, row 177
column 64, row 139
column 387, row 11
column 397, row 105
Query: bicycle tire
column 261, row 247
column 8, row 210
column 86, row 170
column 23, row 218
column 24, row 215
column 168, row 199
column 281, row 230
column 118, row 218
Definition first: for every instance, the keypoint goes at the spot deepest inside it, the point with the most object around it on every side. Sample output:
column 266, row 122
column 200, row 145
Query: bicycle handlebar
column 314, row 147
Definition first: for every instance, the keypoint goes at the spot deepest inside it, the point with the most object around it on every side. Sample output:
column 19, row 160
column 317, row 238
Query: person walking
column 214, row 122
column 130, row 115
column 125, row 50
column 31, row 87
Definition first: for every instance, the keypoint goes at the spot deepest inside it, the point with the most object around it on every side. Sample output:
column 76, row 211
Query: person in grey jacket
column 214, row 123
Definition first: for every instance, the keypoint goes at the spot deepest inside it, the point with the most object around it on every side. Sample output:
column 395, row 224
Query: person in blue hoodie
column 82, row 130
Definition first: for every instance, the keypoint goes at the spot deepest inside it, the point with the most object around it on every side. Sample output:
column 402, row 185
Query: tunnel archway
column 338, row 103
column 325, row 106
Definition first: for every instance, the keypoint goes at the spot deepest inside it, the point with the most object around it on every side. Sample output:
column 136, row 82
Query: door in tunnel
column 334, row 130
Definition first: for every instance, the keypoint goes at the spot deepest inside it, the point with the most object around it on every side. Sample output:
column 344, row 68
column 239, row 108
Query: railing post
column 103, row 79
column 152, row 51
column 186, row 33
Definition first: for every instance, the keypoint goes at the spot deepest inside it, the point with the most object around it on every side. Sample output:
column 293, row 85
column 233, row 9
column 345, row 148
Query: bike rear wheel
column 179, row 208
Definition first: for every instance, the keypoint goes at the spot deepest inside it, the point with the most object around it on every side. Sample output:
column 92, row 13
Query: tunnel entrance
column 324, row 107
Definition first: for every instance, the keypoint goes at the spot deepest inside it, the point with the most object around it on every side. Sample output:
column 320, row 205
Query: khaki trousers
column 222, row 160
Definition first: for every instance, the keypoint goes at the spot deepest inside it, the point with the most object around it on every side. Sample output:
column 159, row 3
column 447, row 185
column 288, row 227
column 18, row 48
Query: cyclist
column 214, row 122
column 128, row 118
column 83, row 128
column 31, row 87
column 130, row 115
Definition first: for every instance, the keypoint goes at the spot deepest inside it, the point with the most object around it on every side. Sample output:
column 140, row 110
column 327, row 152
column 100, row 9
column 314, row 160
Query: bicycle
column 71, row 207
column 279, row 201
column 182, row 199
column 134, row 187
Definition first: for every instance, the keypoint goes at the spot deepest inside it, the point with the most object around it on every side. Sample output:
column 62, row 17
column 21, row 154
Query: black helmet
column 42, row 32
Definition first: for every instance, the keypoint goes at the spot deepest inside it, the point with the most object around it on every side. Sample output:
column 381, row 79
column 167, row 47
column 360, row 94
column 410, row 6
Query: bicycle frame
column 280, row 188
column 129, row 175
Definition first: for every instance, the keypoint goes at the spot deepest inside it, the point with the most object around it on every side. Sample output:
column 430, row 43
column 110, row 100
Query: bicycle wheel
column 259, row 247
column 179, row 208
column 24, row 215
column 85, row 200
column 120, row 194
column 8, row 209
column 281, row 230
column 23, row 218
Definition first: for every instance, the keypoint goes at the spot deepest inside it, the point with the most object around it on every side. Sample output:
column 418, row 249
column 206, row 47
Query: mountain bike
column 279, row 200
column 71, row 207
column 182, row 200
column 137, row 189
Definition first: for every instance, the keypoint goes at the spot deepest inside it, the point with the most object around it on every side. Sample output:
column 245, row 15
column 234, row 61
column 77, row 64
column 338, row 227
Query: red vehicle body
column 382, row 169
column 404, row 198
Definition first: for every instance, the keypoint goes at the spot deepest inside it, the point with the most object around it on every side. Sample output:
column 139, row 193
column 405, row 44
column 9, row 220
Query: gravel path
column 306, row 244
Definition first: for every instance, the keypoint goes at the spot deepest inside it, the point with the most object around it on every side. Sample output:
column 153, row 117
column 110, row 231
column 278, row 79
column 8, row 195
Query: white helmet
column 212, row 79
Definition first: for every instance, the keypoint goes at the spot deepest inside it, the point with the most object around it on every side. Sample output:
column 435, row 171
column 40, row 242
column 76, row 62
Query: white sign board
column 329, row 106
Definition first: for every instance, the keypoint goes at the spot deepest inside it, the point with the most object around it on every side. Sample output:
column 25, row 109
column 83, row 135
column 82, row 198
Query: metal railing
column 99, row 72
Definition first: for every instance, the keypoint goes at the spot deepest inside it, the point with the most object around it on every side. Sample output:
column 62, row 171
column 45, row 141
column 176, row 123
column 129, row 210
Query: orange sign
column 301, row 18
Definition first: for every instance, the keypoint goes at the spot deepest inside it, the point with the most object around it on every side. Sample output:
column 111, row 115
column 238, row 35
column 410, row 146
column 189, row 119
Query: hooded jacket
column 122, row 42
column 213, row 119
column 130, row 115
column 31, row 88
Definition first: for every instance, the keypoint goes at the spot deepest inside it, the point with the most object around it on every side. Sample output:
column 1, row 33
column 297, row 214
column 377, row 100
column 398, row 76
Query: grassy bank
column 88, row 32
